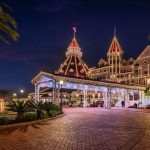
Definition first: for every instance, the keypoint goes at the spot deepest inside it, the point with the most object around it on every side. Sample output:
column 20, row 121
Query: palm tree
column 48, row 107
column 39, row 107
column 7, row 24
column 19, row 106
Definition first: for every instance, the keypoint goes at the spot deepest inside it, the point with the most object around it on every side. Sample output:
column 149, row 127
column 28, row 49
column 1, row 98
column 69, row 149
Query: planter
column 29, row 123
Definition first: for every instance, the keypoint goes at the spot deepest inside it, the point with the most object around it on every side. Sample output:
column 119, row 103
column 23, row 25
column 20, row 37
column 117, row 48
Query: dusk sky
column 45, row 28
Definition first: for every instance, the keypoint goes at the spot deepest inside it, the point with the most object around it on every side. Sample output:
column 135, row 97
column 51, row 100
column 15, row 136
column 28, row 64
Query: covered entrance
column 91, row 90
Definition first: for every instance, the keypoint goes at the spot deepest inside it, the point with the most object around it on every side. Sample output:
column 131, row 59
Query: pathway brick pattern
column 83, row 129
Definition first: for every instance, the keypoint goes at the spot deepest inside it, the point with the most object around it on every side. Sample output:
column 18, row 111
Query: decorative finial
column 114, row 30
column 74, row 31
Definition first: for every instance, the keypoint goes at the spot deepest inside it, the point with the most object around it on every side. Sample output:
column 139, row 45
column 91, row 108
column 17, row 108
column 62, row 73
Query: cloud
column 49, row 9
column 12, row 55
column 57, row 6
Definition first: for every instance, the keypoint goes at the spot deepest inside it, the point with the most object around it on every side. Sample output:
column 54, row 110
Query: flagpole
column 74, row 34
column 74, row 31
column 114, row 30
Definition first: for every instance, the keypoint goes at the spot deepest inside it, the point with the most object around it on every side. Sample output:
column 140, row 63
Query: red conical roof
column 115, row 46
column 73, row 65
column 74, row 44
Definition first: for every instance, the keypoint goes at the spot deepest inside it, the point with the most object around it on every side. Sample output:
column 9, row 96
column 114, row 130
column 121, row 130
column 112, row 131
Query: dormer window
column 71, row 70
column 82, row 71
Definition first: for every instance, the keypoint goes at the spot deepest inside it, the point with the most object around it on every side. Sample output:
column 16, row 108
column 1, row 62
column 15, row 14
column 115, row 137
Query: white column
column 84, row 98
column 37, row 95
column 127, row 102
column 93, row 97
column 107, row 98
column 54, row 91
column 98, row 95
column 141, row 95
column 58, row 94
column 133, row 95
column 104, row 96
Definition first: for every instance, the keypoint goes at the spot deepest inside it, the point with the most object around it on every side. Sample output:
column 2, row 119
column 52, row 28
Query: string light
column 80, row 74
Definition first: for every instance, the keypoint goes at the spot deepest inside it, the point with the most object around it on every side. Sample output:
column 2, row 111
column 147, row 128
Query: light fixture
column 61, row 82
column 14, row 94
column 21, row 91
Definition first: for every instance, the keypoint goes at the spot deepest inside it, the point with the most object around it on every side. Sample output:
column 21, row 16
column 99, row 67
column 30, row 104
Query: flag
column 74, row 29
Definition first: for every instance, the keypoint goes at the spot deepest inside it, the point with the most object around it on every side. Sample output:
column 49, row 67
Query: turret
column 114, row 55
column 73, row 65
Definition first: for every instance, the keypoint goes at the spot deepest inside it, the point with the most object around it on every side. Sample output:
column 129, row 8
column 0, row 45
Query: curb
column 31, row 122
column 133, row 110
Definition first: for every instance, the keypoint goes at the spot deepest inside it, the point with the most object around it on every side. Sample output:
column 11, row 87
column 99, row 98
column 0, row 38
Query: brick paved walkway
column 83, row 129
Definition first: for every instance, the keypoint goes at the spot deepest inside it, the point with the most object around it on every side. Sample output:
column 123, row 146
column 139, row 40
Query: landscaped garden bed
column 26, row 111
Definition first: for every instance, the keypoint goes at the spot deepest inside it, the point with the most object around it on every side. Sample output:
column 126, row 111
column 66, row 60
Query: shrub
column 31, row 116
column 48, row 106
column 147, row 91
column 51, row 108
column 54, row 113
column 4, row 120
column 55, row 107
column 55, row 110
column 44, row 115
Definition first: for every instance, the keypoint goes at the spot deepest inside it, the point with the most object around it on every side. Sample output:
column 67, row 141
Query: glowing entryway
column 109, row 90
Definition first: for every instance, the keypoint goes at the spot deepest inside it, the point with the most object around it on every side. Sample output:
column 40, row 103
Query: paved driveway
column 83, row 129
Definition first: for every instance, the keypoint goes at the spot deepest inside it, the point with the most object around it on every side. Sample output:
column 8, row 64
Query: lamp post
column 61, row 82
column 14, row 94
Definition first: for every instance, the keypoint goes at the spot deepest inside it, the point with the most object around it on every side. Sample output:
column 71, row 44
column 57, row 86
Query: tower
column 73, row 65
column 114, row 55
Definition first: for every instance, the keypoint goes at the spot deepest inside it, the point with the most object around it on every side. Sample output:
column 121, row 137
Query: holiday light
column 74, row 74
column 73, row 65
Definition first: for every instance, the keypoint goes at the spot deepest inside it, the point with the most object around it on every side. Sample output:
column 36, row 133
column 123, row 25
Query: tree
column 147, row 91
column 7, row 24
column 39, row 107
column 19, row 106
column 6, row 95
